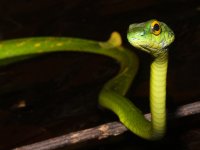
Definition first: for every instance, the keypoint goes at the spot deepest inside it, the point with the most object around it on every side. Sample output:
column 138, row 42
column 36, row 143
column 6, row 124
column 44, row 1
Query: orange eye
column 155, row 27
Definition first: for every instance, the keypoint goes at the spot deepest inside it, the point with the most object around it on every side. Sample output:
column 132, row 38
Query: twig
column 100, row 132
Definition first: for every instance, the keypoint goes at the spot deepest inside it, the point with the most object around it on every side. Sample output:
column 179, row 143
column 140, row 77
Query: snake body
column 151, row 36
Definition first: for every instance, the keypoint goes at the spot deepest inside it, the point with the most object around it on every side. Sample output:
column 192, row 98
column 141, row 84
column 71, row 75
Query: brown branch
column 100, row 132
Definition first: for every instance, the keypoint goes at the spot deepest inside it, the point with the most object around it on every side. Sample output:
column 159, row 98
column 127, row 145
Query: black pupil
column 156, row 27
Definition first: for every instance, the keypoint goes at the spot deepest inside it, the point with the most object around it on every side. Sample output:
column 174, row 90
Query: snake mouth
column 154, row 51
column 145, row 49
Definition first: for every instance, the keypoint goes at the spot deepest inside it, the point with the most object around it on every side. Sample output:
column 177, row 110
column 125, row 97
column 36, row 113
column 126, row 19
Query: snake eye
column 155, row 27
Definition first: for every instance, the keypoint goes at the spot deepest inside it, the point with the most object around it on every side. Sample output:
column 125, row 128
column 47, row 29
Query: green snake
column 151, row 36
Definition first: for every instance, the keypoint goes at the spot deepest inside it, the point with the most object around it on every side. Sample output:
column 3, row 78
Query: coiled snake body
column 151, row 36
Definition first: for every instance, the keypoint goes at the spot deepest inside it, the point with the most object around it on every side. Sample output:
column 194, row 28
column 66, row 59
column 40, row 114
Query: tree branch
column 101, row 131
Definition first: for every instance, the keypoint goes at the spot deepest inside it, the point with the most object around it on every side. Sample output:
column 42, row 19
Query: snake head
column 152, row 36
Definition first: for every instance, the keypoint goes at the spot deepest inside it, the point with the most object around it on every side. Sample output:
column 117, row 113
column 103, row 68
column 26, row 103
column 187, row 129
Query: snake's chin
column 154, row 52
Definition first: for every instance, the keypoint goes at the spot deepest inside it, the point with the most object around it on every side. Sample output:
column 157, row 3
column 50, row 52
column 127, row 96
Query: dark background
column 60, row 89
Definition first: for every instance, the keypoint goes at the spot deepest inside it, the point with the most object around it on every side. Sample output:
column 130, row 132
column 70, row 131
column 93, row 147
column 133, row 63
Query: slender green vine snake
column 152, row 36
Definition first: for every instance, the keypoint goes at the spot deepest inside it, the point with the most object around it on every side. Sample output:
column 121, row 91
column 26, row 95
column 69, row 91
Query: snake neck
column 158, row 77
